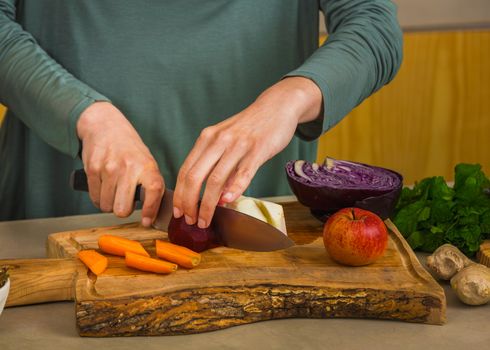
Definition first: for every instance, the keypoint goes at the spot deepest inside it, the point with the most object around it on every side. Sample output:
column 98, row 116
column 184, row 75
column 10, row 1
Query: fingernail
column 188, row 220
column 177, row 213
column 228, row 196
column 201, row 223
column 146, row 222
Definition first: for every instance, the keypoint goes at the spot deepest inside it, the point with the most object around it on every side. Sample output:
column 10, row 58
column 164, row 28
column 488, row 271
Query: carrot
column 97, row 263
column 177, row 254
column 149, row 264
column 178, row 248
column 118, row 245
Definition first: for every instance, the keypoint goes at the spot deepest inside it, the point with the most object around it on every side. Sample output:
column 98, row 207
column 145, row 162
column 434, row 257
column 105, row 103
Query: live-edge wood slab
column 232, row 287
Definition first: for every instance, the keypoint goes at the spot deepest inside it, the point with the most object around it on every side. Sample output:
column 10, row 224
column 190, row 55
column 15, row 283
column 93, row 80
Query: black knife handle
column 78, row 181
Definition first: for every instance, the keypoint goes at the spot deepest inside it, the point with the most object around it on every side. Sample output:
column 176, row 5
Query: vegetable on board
column 269, row 212
column 191, row 236
column 119, row 246
column 144, row 263
column 338, row 184
column 177, row 254
column 97, row 263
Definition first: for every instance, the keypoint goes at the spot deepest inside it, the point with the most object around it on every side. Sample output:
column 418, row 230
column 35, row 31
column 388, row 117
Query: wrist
column 88, row 118
column 301, row 96
column 95, row 117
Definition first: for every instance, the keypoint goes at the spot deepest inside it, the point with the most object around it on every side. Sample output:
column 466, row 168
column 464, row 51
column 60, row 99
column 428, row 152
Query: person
column 209, row 97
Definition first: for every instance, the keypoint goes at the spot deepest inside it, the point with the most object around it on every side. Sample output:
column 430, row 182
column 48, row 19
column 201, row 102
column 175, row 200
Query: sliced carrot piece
column 177, row 254
column 119, row 246
column 144, row 263
column 97, row 263
column 178, row 248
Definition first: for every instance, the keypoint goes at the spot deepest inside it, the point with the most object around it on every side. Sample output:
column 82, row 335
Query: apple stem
column 353, row 214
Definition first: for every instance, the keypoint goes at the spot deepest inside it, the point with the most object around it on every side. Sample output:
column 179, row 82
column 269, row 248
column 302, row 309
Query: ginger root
column 446, row 261
column 469, row 280
column 472, row 284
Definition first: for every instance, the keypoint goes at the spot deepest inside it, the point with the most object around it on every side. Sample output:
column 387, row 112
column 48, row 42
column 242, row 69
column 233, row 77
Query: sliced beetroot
column 338, row 184
column 191, row 236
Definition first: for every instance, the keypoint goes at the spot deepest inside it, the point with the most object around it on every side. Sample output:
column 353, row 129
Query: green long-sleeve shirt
column 172, row 67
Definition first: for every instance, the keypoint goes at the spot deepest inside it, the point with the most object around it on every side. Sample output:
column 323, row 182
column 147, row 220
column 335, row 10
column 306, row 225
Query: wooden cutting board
column 232, row 287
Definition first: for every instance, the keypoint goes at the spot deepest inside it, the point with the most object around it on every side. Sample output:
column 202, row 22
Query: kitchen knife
column 236, row 229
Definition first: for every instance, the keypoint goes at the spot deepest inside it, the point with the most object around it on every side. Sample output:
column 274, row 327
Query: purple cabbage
column 338, row 184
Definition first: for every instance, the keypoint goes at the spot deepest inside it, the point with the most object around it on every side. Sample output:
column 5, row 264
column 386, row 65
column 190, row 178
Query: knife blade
column 236, row 229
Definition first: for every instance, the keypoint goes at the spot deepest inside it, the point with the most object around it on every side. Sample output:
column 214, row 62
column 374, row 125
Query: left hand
column 227, row 155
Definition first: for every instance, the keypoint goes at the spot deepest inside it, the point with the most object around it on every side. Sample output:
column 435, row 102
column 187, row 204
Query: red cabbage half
column 338, row 184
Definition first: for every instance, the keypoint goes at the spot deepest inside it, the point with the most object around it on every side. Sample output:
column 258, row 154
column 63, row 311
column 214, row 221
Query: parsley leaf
column 432, row 213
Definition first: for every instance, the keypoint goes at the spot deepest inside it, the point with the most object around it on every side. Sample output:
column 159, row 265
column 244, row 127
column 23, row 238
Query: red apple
column 355, row 237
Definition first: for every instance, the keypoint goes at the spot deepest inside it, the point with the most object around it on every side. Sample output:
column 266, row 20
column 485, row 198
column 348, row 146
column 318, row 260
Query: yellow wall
column 434, row 114
column 2, row 112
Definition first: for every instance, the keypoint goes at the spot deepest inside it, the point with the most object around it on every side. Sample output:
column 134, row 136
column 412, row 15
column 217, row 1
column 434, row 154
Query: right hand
column 116, row 160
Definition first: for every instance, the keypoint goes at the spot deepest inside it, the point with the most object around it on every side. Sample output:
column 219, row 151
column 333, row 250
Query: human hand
column 227, row 155
column 116, row 160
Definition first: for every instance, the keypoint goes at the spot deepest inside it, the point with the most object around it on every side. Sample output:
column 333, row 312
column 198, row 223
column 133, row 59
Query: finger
column 124, row 196
column 226, row 195
column 154, row 186
column 92, row 168
column 194, row 180
column 108, row 187
column 94, row 183
column 215, row 183
column 180, row 191
column 240, row 179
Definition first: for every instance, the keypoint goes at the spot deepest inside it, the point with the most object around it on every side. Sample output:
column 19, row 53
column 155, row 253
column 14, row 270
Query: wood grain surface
column 35, row 281
column 232, row 287
column 435, row 114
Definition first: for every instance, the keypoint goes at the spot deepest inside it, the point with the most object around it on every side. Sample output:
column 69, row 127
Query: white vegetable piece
column 269, row 212
column 247, row 206
column 274, row 214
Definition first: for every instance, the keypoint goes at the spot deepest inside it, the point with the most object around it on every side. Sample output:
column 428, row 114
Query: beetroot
column 191, row 236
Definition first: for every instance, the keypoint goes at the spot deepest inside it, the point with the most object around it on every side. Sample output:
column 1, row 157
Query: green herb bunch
column 3, row 276
column 432, row 213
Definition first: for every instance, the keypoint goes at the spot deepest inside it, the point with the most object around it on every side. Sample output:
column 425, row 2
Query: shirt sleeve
column 40, row 92
column 362, row 53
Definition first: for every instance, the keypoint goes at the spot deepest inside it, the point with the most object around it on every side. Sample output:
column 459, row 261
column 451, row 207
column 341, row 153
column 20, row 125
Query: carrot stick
column 178, row 248
column 97, row 263
column 118, row 245
column 177, row 254
column 149, row 264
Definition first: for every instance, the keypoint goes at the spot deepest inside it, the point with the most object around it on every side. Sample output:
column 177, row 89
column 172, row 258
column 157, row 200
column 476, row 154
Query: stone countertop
column 52, row 326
